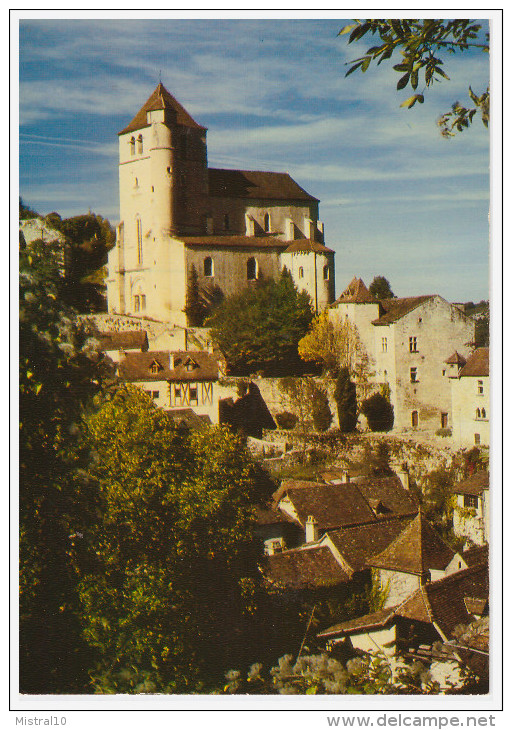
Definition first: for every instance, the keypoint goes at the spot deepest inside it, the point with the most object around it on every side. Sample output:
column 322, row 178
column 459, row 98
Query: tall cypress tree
column 346, row 401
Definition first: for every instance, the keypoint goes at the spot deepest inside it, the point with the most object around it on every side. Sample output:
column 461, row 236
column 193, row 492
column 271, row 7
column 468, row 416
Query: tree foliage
column 379, row 413
column 422, row 43
column 346, row 401
column 321, row 674
column 59, row 372
column 260, row 328
column 174, row 578
column 333, row 344
column 201, row 300
column 308, row 402
column 380, row 288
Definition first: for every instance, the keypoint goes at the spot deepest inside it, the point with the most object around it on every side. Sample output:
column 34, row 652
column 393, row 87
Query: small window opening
column 483, row 413
column 136, row 303
column 480, row 387
column 301, row 272
column 143, row 302
column 139, row 241
column 208, row 266
column 413, row 344
column 252, row 269
column 414, row 419
column 132, row 146
column 384, row 344
column 414, row 375
column 326, row 273
column 266, row 223
column 477, row 439
column 140, row 145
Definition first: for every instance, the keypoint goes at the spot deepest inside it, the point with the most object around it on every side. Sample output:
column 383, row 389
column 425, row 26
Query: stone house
column 471, row 513
column 183, row 221
column 407, row 341
column 411, row 629
column 471, row 399
column 175, row 380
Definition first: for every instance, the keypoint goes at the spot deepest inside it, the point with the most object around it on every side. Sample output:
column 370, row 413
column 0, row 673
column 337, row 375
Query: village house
column 471, row 398
column 185, row 224
column 407, row 341
column 175, row 380
column 471, row 513
column 411, row 629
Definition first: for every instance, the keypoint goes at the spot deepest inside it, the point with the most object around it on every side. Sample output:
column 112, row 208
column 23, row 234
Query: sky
column 397, row 199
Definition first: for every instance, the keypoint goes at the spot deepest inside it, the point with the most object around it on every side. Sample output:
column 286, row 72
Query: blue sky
column 396, row 198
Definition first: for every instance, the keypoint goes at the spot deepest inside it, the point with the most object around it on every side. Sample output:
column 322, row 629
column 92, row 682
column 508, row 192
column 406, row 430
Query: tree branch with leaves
column 422, row 43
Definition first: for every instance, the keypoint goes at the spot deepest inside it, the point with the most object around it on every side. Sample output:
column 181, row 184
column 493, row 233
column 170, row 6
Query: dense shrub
column 322, row 416
column 379, row 413
column 286, row 420
column 346, row 401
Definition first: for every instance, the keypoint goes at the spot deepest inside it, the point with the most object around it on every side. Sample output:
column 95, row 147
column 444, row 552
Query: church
column 186, row 228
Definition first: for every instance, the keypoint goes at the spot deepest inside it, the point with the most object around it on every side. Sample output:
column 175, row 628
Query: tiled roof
column 306, row 245
column 356, row 292
column 161, row 99
column 135, row 366
column 331, row 505
column 255, row 184
column 445, row 599
column 234, row 241
column 416, row 549
column 475, row 484
column 476, row 555
column 338, row 505
column 189, row 419
column 442, row 603
column 128, row 340
column 456, row 359
column 395, row 309
column 310, row 568
column 477, row 364
column 359, row 543
column 370, row 621
column 271, row 516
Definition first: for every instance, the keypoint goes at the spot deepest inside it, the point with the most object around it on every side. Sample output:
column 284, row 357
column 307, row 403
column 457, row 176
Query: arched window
column 252, row 269
column 266, row 223
column 139, row 240
column 483, row 412
column 140, row 146
column 226, row 222
column 208, row 266
column 326, row 273
column 301, row 272
column 414, row 419
column 478, row 412
column 132, row 146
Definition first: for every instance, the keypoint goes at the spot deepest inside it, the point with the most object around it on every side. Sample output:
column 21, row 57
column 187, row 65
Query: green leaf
column 348, row 28
column 403, row 81
column 411, row 101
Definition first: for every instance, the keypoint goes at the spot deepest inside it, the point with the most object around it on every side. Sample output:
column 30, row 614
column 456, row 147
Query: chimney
column 249, row 225
column 320, row 229
column 311, row 529
column 289, row 230
column 403, row 475
column 171, row 360
column 345, row 476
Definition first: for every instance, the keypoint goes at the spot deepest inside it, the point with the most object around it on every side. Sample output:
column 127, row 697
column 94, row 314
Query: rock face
column 37, row 229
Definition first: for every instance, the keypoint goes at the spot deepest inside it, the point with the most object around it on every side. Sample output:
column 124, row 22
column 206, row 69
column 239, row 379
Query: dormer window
column 140, row 146
column 132, row 146
column 190, row 365
column 266, row 223
column 155, row 367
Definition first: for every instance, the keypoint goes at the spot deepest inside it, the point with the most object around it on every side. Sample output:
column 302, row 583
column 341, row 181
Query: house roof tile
column 136, row 366
column 476, row 555
column 310, row 568
column 359, row 543
column 306, row 245
column 475, row 484
column 216, row 241
column 456, row 359
column 356, row 292
column 477, row 364
column 395, row 309
column 255, row 184
column 124, row 340
column 442, row 603
column 161, row 99
column 417, row 549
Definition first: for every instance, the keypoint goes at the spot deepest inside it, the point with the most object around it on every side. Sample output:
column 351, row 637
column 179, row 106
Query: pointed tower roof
column 356, row 292
column 456, row 359
column 417, row 549
column 161, row 99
